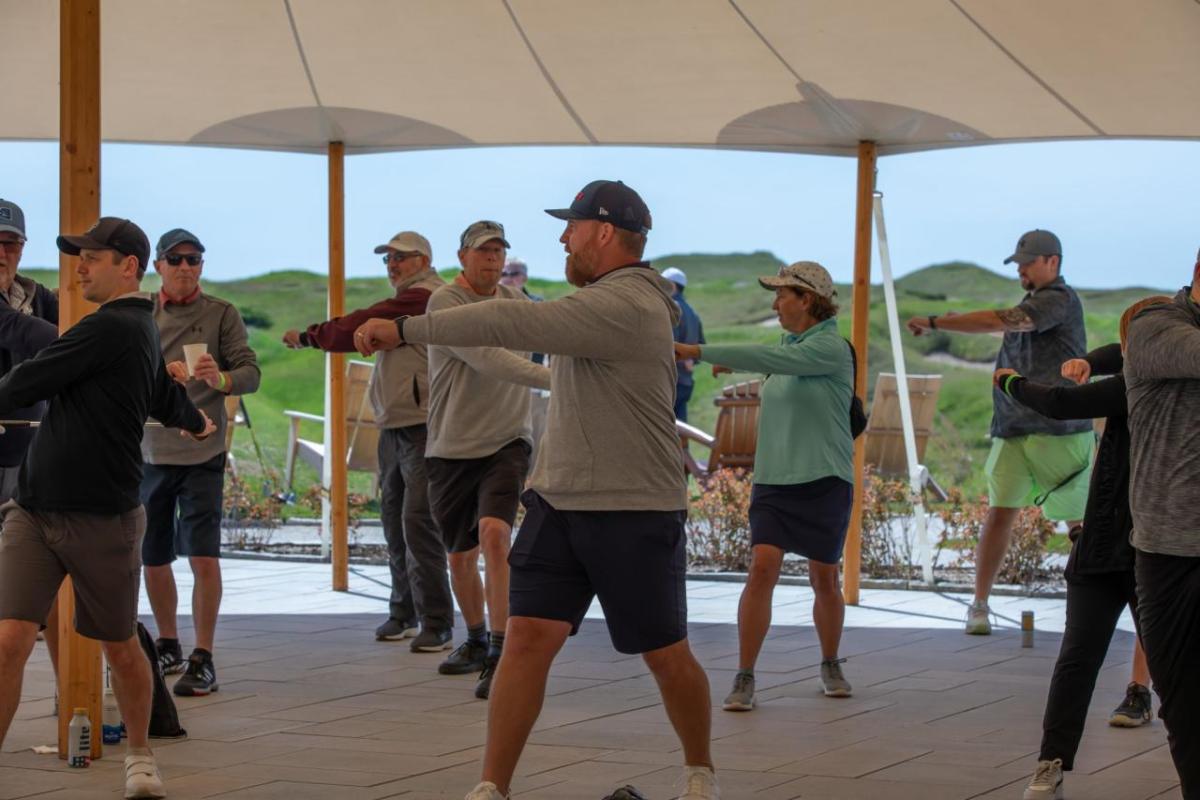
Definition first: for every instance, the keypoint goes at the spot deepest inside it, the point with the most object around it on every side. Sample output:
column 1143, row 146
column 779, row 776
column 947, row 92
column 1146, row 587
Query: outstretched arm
column 1006, row 320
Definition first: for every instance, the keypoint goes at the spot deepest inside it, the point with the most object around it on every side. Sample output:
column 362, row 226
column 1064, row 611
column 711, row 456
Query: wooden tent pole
column 79, row 677
column 336, row 412
column 861, row 305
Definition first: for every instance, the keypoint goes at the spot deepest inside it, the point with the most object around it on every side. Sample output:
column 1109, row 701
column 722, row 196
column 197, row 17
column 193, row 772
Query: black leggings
column 1169, row 619
column 1094, row 604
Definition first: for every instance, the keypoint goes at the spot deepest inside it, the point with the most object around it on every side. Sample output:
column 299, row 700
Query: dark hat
column 608, row 201
column 174, row 237
column 110, row 233
column 12, row 219
column 1033, row 244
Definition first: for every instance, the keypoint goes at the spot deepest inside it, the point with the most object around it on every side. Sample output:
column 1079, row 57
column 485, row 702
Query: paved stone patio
column 311, row 706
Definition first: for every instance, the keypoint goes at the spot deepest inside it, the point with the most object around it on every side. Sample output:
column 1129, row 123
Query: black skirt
column 808, row 519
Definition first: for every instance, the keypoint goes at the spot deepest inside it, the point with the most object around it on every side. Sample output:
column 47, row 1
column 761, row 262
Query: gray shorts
column 101, row 553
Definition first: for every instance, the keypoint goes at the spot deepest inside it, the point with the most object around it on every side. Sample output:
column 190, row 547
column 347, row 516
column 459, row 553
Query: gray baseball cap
column 807, row 275
column 12, row 218
column 482, row 232
column 173, row 238
column 1033, row 244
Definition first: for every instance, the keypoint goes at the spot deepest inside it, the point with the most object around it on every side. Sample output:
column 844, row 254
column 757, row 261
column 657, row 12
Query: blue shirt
column 689, row 331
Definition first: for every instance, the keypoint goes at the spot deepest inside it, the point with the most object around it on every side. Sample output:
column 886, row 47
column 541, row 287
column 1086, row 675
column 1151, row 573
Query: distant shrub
column 256, row 319
column 718, row 527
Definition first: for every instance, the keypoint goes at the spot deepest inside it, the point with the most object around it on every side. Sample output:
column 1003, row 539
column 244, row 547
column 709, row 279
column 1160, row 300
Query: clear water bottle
column 79, row 740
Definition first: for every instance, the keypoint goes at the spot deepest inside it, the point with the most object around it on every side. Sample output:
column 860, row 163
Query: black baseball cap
column 608, row 201
column 174, row 237
column 110, row 233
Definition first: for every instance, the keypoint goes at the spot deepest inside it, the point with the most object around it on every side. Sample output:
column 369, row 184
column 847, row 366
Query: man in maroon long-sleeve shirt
column 399, row 396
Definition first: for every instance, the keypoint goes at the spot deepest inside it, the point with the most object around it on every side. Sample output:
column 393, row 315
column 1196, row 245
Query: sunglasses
column 510, row 274
column 398, row 257
column 193, row 259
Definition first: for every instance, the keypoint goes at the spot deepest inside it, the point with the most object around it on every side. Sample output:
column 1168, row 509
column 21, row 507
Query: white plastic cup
column 191, row 354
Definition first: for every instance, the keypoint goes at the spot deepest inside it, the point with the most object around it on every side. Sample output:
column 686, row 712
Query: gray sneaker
column 486, row 790
column 432, row 641
column 833, row 682
column 741, row 698
column 979, row 621
column 395, row 629
column 1046, row 783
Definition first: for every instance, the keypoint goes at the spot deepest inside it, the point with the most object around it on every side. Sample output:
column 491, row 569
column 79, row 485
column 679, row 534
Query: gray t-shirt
column 1059, row 335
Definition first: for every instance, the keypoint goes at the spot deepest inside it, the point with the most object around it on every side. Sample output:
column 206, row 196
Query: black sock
column 200, row 651
column 495, row 645
column 477, row 633
column 163, row 643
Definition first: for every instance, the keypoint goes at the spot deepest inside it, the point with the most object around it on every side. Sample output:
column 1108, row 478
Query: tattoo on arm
column 1015, row 320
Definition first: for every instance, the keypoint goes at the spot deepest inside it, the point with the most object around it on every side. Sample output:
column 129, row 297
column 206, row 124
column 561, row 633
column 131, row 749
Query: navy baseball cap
column 174, row 237
column 608, row 201
column 110, row 233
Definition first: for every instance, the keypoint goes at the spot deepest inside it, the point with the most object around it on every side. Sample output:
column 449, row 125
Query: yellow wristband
column 223, row 382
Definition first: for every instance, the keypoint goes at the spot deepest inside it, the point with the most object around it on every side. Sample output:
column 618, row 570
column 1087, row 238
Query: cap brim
column 383, row 248
column 12, row 229
column 1020, row 259
column 71, row 245
column 564, row 213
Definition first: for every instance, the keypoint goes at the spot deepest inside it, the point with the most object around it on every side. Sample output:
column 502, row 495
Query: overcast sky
column 1127, row 212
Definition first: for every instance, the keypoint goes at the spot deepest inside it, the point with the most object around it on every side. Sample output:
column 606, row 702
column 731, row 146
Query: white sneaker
column 1047, row 781
column 486, row 790
column 141, row 777
column 979, row 621
column 700, row 783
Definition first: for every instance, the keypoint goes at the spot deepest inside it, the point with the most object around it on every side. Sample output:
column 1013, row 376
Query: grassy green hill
column 724, row 291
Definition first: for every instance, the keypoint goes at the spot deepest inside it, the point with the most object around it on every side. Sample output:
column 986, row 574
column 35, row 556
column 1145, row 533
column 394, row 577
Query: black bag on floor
column 164, row 719
column 626, row 793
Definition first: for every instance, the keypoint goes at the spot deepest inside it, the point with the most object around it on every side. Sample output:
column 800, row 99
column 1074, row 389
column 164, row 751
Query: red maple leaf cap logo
column 578, row 197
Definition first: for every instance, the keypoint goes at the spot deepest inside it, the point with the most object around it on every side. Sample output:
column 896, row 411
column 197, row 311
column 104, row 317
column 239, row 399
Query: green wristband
column 1008, row 383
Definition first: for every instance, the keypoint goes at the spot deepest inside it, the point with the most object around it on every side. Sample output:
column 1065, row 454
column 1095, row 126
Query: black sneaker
column 432, row 641
column 484, row 687
column 199, row 679
column 170, row 656
column 1134, row 710
column 393, row 630
column 468, row 657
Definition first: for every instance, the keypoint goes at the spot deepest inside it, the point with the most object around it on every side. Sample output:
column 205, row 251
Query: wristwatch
column 400, row 326
column 932, row 322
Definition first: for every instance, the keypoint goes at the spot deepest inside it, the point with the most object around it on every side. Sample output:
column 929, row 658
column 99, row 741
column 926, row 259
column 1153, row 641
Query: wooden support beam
column 335, row 414
column 861, row 305
column 79, row 680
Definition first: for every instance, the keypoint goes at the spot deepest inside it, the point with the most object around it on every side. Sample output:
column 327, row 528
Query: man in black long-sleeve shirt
column 77, row 510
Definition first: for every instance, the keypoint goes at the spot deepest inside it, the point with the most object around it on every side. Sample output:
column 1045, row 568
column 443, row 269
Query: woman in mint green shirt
column 803, row 467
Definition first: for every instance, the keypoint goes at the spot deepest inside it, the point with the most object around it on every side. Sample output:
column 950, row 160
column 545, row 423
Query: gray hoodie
column 610, row 441
column 1162, row 376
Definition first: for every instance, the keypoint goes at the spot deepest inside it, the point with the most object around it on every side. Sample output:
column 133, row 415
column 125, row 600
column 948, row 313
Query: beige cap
column 408, row 242
column 807, row 275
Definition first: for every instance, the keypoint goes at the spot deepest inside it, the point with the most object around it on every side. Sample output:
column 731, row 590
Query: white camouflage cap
column 808, row 275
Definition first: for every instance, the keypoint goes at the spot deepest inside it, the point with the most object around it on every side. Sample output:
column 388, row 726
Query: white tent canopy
column 813, row 76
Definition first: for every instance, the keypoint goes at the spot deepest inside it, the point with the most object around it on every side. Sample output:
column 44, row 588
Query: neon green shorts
column 1031, row 470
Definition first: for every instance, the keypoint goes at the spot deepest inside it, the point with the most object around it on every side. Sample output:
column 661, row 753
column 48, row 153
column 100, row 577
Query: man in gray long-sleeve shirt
column 183, row 485
column 1162, row 375
column 477, row 455
column 606, row 506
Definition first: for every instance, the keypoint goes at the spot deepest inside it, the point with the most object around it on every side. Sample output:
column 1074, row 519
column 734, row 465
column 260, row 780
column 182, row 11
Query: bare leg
column 993, row 546
column 684, row 688
column 131, row 684
column 206, row 599
column 829, row 607
column 468, row 587
column 494, row 537
column 164, row 599
column 754, row 608
column 1141, row 672
column 16, row 643
column 518, row 692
